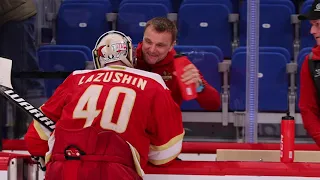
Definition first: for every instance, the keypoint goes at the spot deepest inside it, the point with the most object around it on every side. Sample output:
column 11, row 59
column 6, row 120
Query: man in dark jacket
column 17, row 42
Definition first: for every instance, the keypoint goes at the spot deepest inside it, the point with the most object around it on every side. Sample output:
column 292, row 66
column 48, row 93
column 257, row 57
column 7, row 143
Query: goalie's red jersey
column 134, row 104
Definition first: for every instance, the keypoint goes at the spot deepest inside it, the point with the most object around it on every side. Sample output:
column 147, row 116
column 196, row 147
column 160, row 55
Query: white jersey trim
column 167, row 153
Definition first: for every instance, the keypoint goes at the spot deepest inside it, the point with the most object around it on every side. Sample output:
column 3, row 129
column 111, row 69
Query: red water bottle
column 287, row 139
column 188, row 92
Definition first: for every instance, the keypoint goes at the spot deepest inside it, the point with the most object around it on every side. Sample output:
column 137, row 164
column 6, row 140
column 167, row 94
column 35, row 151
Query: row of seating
column 273, row 80
column 274, row 84
column 175, row 4
column 172, row 4
column 81, row 22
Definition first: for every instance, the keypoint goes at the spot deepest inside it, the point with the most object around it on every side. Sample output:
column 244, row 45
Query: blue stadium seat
column 209, row 26
column 273, row 85
column 303, row 52
column 132, row 18
column 224, row 2
column 198, row 49
column 306, row 39
column 287, row 3
column 176, row 5
column 235, row 5
column 167, row 3
column 86, row 1
column 207, row 63
column 232, row 4
column 275, row 22
column 82, row 22
column 115, row 5
column 280, row 50
column 84, row 49
column 301, row 56
column 61, row 59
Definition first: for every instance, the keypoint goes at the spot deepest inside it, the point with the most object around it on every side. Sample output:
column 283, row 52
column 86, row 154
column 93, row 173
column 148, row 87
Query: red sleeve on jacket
column 209, row 98
column 37, row 135
column 308, row 103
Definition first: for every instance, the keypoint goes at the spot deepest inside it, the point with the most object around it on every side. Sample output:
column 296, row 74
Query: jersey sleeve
column 209, row 98
column 167, row 129
column 37, row 135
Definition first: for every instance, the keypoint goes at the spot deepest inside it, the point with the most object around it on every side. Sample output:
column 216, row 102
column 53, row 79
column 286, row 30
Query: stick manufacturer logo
column 32, row 110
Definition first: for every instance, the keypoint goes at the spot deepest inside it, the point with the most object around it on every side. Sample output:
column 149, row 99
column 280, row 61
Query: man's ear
column 173, row 44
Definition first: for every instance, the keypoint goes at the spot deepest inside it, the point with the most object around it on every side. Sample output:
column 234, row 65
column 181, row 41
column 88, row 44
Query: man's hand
column 191, row 75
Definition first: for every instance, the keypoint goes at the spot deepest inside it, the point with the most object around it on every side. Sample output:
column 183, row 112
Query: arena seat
column 167, row 3
column 303, row 52
column 207, row 63
column 61, row 58
column 306, row 39
column 280, row 50
column 208, row 26
column 231, row 3
column 275, row 22
column 132, row 17
column 176, row 5
column 273, row 82
column 114, row 3
column 86, row 1
column 84, row 49
column 82, row 22
column 185, row 49
column 301, row 56
column 224, row 2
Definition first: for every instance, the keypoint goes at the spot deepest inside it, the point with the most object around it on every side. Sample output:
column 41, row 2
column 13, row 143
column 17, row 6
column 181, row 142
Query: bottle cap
column 288, row 117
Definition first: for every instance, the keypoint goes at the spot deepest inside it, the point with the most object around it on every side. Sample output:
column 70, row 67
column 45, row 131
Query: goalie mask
column 113, row 46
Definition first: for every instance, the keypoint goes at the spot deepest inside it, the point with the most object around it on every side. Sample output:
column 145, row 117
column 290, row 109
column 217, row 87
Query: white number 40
column 90, row 98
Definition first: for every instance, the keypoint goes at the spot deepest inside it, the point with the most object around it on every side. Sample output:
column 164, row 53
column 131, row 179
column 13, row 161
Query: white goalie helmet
column 113, row 46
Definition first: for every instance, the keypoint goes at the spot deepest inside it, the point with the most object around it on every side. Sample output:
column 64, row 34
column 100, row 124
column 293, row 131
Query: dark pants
column 17, row 42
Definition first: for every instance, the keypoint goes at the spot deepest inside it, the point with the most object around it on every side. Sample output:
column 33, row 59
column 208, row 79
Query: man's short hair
column 162, row 24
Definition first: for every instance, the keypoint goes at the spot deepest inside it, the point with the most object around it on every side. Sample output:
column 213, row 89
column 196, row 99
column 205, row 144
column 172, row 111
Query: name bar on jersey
column 115, row 77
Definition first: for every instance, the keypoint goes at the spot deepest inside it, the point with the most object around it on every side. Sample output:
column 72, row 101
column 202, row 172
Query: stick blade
column 5, row 72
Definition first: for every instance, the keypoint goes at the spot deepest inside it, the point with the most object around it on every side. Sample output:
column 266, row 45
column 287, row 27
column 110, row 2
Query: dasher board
column 264, row 155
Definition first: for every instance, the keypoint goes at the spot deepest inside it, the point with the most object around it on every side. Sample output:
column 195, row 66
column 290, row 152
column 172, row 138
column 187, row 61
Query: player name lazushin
column 115, row 77
column 34, row 111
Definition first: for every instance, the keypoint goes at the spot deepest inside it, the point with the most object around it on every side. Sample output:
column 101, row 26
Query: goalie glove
column 40, row 161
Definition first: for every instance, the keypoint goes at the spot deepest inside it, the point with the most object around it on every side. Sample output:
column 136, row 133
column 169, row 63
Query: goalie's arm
column 37, row 135
column 167, row 129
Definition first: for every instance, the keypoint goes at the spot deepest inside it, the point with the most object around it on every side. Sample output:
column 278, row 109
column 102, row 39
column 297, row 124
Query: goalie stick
column 7, row 91
column 37, row 115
